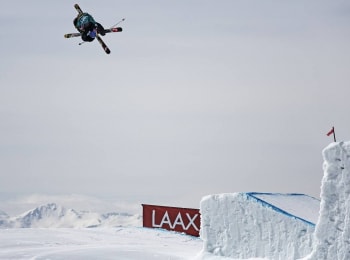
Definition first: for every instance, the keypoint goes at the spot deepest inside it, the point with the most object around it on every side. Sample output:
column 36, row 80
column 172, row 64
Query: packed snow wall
column 332, row 234
column 258, row 225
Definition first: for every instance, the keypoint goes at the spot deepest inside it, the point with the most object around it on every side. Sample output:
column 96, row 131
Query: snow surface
column 333, row 226
column 242, row 225
column 96, row 243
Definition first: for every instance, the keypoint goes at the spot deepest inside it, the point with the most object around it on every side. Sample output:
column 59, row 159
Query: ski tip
column 76, row 5
column 117, row 29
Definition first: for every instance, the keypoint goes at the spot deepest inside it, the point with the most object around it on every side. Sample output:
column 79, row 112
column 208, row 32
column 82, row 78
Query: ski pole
column 122, row 20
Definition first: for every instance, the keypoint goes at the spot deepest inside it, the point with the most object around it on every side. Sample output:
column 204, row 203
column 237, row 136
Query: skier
column 88, row 27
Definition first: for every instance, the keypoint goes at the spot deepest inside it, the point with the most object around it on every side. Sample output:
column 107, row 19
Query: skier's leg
column 100, row 29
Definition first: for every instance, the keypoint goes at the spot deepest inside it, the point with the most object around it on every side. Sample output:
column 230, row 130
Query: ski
column 77, row 7
column 111, row 30
column 104, row 46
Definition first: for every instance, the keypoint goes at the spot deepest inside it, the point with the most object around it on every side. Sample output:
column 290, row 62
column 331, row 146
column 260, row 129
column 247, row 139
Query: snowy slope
column 300, row 206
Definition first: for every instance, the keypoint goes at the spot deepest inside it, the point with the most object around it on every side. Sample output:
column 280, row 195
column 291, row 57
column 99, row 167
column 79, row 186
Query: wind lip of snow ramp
column 254, row 196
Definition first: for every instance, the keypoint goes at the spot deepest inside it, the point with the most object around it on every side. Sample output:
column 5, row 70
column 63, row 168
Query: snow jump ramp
column 266, row 225
column 282, row 226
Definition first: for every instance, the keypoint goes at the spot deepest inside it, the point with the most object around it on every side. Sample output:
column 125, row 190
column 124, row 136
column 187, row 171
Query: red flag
column 330, row 132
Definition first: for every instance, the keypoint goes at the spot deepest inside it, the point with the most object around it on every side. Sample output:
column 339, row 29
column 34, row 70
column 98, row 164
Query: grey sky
column 197, row 97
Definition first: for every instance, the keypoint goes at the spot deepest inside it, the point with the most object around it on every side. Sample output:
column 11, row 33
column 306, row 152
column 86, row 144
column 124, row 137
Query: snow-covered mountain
column 53, row 215
column 3, row 218
column 3, row 214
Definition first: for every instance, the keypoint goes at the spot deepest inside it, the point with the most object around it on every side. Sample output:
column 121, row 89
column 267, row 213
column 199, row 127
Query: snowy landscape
column 234, row 226
column 52, row 231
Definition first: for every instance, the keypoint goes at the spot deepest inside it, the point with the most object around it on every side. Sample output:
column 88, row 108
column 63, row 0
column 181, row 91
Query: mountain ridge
column 53, row 215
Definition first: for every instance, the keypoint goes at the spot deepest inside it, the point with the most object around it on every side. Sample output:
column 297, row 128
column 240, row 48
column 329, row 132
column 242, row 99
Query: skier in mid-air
column 88, row 27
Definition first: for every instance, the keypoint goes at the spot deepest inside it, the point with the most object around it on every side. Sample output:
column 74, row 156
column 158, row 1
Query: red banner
column 172, row 218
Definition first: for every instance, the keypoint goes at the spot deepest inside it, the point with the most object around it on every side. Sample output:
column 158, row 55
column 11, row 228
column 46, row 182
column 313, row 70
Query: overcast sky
column 197, row 97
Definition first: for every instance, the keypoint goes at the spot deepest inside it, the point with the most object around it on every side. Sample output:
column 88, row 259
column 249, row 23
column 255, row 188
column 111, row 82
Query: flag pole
column 332, row 132
column 335, row 140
